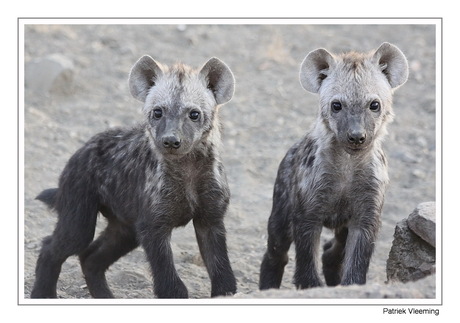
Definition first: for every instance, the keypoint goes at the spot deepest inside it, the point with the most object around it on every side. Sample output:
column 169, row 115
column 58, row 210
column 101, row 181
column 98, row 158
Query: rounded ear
column 142, row 77
column 219, row 79
column 392, row 63
column 315, row 67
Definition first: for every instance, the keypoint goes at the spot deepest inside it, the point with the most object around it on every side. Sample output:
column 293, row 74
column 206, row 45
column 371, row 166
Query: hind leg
column 334, row 252
column 276, row 256
column 47, row 271
column 70, row 237
column 116, row 241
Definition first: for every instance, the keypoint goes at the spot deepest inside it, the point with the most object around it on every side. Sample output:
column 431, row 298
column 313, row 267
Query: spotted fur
column 146, row 181
column 336, row 176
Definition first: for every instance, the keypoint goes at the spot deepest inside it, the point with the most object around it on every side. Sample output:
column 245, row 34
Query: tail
column 48, row 197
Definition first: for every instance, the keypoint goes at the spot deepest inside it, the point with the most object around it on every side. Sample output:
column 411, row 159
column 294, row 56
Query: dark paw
column 307, row 281
column 43, row 294
column 332, row 277
column 309, row 284
column 226, row 287
column 177, row 291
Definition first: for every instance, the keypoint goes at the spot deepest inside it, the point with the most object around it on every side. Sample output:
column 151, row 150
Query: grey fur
column 336, row 176
column 146, row 181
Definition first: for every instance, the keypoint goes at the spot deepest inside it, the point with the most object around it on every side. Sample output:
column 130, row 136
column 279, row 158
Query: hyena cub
column 146, row 181
column 336, row 175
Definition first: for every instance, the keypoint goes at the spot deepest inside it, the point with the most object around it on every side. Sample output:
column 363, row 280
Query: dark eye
column 194, row 115
column 157, row 113
column 375, row 106
column 336, row 106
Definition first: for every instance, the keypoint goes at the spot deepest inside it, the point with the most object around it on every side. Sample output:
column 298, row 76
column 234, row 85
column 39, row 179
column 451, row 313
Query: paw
column 177, row 290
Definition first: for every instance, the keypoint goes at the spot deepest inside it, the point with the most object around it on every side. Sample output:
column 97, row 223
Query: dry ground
column 269, row 112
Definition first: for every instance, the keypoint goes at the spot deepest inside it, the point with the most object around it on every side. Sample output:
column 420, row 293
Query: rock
column 53, row 73
column 411, row 258
column 423, row 222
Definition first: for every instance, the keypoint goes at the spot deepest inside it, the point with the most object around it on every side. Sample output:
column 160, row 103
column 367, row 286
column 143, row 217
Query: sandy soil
column 268, row 113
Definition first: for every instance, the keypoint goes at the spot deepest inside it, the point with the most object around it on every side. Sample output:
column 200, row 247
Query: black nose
column 356, row 138
column 171, row 142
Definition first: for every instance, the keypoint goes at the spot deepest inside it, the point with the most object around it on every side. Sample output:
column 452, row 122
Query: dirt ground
column 268, row 113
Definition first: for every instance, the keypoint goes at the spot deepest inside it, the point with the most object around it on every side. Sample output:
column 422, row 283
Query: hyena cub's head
column 181, row 103
column 355, row 91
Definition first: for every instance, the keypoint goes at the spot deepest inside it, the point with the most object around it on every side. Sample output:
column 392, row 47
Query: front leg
column 365, row 222
column 358, row 252
column 155, row 238
column 334, row 252
column 210, row 234
column 307, row 234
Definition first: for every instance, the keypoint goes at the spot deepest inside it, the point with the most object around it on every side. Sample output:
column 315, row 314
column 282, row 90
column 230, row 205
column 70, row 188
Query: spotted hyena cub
column 146, row 181
column 336, row 175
